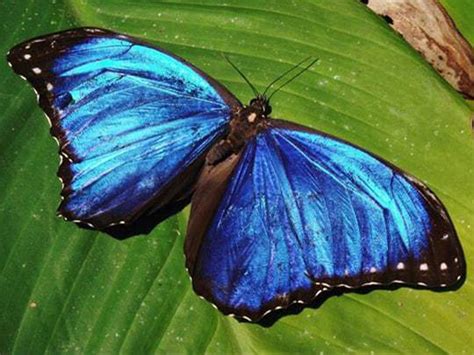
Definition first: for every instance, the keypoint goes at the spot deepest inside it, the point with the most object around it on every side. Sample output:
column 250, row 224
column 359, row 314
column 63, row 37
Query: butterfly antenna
column 294, row 77
column 255, row 92
column 284, row 74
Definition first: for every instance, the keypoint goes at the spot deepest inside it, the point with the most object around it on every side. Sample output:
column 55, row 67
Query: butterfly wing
column 133, row 121
column 300, row 212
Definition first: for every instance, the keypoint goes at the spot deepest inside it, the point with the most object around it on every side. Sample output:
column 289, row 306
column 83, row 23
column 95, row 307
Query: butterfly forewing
column 303, row 212
column 133, row 122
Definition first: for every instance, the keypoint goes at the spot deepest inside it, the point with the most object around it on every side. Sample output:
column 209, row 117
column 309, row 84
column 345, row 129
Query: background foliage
column 67, row 289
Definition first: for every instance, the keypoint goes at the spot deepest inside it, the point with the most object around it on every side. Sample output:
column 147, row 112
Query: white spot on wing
column 400, row 266
column 93, row 30
column 424, row 267
column 36, row 70
column 37, row 95
column 27, row 56
column 366, row 284
column 373, row 270
column 430, row 194
column 50, row 125
column 443, row 266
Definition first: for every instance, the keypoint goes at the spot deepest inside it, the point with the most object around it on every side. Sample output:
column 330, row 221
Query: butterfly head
column 261, row 105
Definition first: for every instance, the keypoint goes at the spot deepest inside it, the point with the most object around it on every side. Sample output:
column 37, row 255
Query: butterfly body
column 246, row 123
column 279, row 212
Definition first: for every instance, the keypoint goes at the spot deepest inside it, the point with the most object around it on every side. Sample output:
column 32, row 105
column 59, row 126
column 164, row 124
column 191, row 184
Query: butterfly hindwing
column 133, row 121
column 298, row 212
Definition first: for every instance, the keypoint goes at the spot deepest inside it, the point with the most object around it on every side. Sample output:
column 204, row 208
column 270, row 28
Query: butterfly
column 280, row 212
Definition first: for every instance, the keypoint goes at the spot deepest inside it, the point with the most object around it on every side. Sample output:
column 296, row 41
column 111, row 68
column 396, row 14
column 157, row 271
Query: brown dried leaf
column 426, row 25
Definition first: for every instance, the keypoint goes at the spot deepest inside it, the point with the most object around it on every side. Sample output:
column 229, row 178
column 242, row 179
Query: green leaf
column 68, row 289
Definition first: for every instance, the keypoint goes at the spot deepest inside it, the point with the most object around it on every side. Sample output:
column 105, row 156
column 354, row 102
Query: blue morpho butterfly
column 280, row 212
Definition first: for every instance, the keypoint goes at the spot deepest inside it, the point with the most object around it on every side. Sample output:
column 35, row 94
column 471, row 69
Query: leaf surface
column 68, row 289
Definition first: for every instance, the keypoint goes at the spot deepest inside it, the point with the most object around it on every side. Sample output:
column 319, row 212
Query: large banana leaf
column 67, row 289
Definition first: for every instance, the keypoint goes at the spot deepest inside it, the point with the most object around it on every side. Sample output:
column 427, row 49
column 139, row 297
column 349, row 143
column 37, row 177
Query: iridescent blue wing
column 300, row 212
column 133, row 122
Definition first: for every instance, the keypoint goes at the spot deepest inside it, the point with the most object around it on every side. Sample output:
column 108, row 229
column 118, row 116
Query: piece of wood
column 428, row 28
